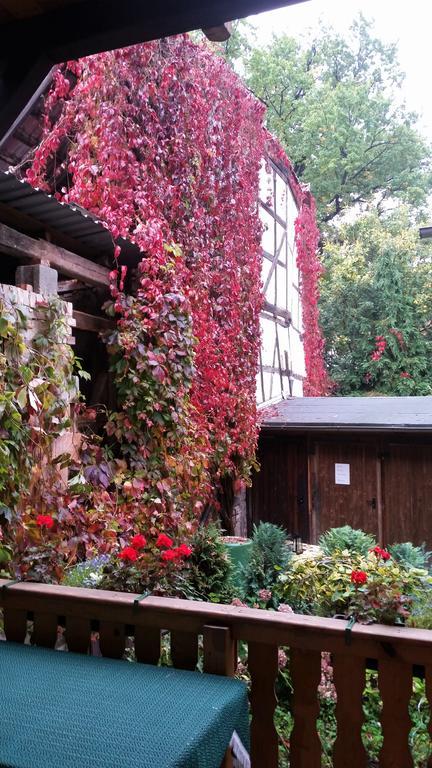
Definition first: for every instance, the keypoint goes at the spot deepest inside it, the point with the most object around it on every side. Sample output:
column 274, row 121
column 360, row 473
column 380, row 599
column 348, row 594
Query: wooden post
column 220, row 651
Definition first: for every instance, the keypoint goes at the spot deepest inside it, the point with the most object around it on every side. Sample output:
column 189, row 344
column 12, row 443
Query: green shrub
column 270, row 553
column 324, row 586
column 346, row 538
column 409, row 555
column 421, row 615
column 209, row 573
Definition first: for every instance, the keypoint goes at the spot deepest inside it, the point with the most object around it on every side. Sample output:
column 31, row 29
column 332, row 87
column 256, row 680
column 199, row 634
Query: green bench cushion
column 68, row 710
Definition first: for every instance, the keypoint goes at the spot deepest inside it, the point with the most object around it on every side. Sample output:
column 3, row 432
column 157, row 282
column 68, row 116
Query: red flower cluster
column 131, row 553
column 358, row 577
column 177, row 553
column 164, row 541
column 45, row 521
column 405, row 375
column 380, row 553
column 380, row 348
column 138, row 541
column 399, row 336
column 128, row 553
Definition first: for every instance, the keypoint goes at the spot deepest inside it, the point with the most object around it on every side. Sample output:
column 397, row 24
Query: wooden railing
column 394, row 650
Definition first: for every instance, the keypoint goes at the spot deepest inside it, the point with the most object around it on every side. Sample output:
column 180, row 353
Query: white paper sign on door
column 342, row 474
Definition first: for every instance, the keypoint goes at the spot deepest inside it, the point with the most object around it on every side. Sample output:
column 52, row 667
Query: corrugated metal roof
column 350, row 414
column 68, row 219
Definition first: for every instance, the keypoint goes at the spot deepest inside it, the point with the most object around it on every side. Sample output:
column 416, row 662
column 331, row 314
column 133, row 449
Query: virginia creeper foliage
column 163, row 143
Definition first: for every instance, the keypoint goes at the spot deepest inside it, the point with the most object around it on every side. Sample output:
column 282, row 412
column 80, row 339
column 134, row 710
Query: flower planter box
column 239, row 551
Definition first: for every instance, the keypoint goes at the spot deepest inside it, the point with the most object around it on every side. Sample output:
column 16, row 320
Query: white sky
column 407, row 22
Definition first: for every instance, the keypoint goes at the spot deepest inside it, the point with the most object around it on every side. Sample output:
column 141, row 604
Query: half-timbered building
column 282, row 363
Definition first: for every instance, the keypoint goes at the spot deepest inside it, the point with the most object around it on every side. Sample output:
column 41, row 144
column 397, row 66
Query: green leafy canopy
column 335, row 102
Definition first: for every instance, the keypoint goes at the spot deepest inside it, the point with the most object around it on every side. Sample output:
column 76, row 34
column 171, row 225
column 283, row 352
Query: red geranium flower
column 358, row 577
column 45, row 521
column 138, row 541
column 379, row 552
column 169, row 554
column 128, row 553
column 184, row 550
column 164, row 541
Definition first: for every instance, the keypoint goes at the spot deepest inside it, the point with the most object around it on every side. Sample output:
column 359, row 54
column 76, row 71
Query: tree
column 376, row 302
column 335, row 104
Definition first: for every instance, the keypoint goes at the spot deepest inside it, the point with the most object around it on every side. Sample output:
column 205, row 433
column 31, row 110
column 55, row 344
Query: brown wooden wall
column 279, row 492
column 389, row 492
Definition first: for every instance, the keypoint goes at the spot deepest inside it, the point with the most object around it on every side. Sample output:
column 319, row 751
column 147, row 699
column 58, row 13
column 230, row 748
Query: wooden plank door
column 407, row 491
column 345, row 484
column 279, row 490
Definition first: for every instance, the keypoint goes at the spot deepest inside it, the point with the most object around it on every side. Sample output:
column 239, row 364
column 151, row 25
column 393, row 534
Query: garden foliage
column 371, row 588
column 346, row 538
column 269, row 555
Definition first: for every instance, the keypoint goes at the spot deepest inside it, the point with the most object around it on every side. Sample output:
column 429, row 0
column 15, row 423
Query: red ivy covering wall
column 164, row 143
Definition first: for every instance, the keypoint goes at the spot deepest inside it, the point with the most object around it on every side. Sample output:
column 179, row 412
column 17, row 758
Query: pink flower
column 284, row 608
column 238, row 603
column 282, row 659
column 265, row 595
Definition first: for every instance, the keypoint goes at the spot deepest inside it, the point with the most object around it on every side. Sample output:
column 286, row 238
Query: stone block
column 43, row 279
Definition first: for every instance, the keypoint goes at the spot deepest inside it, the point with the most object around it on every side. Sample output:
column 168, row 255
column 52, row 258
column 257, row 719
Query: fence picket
column 263, row 668
column 349, row 679
column 395, row 684
column 184, row 649
column 147, row 644
column 112, row 639
column 305, row 746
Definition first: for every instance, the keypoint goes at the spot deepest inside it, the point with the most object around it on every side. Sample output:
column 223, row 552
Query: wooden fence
column 395, row 650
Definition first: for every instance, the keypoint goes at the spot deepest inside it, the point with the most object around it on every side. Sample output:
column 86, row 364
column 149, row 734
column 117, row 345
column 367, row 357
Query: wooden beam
column 31, row 46
column 40, row 251
column 277, row 311
column 67, row 286
column 85, row 322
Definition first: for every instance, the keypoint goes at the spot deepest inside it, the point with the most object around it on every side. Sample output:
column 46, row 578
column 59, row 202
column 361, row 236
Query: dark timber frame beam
column 42, row 252
column 30, row 47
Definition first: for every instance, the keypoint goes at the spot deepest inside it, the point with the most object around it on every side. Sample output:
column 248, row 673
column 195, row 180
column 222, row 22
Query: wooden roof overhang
column 36, row 34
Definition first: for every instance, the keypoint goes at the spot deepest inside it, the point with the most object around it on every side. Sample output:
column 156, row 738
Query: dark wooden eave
column 32, row 43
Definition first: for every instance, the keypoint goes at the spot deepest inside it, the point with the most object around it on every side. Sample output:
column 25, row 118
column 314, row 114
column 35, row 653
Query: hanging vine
column 164, row 143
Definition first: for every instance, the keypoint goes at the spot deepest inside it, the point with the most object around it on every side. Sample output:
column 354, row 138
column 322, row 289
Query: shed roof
column 41, row 211
column 374, row 414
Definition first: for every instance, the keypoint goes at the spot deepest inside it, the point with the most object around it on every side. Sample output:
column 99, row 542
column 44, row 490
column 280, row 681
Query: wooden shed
column 365, row 461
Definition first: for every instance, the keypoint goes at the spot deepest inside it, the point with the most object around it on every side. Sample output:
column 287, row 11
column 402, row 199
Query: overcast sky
column 407, row 23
